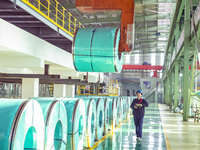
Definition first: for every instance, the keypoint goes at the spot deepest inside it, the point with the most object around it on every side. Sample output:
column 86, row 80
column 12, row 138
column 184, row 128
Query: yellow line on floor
column 107, row 135
column 165, row 133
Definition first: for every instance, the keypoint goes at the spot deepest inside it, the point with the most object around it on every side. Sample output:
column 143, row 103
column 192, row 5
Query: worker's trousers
column 138, row 121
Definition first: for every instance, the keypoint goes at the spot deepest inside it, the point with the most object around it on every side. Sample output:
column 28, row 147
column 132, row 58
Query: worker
column 138, row 105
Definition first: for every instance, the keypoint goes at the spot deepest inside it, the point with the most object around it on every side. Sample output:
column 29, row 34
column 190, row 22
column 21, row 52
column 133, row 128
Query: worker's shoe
column 138, row 139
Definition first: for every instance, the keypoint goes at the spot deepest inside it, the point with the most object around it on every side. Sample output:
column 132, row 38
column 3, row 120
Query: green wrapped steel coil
column 55, row 118
column 90, row 111
column 99, row 117
column 75, row 109
column 106, row 145
column 112, row 113
column 96, row 50
column 22, row 125
column 124, row 105
column 117, row 112
column 128, row 107
column 119, row 105
column 106, row 115
column 120, row 110
column 131, row 100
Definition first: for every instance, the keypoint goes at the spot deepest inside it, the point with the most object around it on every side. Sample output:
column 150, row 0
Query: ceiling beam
column 149, row 48
column 7, row 16
column 150, row 40
column 154, row 1
column 41, row 76
column 147, row 52
column 100, row 20
column 152, row 17
column 161, row 27
column 153, row 32
column 70, row 6
column 142, row 67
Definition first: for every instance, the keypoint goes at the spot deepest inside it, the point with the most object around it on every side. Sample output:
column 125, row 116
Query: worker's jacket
column 140, row 111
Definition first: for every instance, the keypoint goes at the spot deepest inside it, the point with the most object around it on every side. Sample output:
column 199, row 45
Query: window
column 127, row 58
column 162, row 59
column 137, row 58
column 147, row 84
column 153, row 56
column 134, row 94
column 127, row 92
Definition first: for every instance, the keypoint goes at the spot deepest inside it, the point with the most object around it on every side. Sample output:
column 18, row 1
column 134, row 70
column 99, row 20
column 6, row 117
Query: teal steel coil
column 106, row 115
column 55, row 118
column 124, row 102
column 120, row 110
column 30, row 122
column 81, row 49
column 75, row 108
column 131, row 100
column 99, row 117
column 118, row 137
column 112, row 113
column 22, row 125
column 90, row 111
column 128, row 99
column 117, row 112
column 127, row 106
column 96, row 50
column 106, row 145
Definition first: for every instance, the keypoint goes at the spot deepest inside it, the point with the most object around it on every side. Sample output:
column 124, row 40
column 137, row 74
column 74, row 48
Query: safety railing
column 150, row 92
column 53, row 11
column 97, row 90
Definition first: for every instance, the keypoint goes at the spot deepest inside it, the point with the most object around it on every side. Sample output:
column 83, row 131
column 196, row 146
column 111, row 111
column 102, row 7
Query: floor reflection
column 124, row 138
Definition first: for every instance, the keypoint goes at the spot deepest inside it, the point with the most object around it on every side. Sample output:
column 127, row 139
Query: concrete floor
column 162, row 130
column 180, row 135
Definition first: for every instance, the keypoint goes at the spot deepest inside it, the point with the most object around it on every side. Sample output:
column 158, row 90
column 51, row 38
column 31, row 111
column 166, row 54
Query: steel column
column 176, row 85
column 167, row 91
column 171, row 87
column 186, row 101
column 176, row 74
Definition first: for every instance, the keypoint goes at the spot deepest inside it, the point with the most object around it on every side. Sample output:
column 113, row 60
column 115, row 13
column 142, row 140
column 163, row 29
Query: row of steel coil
column 59, row 123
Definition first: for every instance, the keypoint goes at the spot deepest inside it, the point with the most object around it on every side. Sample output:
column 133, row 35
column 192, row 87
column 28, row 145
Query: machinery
column 101, row 49
column 99, row 90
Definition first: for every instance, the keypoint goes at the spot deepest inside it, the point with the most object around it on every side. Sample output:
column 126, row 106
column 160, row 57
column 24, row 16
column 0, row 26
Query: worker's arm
column 145, row 103
column 138, row 105
column 132, row 104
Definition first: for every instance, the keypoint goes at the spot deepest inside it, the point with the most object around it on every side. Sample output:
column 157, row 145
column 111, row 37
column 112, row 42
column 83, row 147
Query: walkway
column 169, row 134
column 123, row 138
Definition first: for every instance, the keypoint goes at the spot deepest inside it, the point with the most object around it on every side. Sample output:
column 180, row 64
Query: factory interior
column 71, row 72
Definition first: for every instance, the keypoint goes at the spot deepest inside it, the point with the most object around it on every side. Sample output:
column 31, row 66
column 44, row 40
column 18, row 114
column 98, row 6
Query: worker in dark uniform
column 138, row 105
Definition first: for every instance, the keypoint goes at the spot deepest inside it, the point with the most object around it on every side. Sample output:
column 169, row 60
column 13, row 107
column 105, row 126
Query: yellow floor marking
column 165, row 134
column 107, row 135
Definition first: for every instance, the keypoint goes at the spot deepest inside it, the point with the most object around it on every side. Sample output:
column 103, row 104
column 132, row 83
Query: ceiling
column 152, row 22
column 152, row 25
